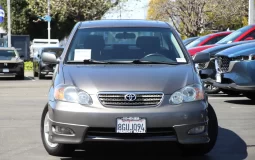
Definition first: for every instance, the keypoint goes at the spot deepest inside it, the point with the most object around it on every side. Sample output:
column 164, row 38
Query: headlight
column 187, row 94
column 72, row 94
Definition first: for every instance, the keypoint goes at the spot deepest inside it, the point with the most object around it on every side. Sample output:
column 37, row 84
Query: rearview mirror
column 201, row 57
column 49, row 58
column 249, row 38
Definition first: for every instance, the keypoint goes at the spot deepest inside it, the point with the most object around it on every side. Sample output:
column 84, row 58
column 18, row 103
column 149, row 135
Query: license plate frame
column 6, row 70
column 218, row 78
column 131, row 120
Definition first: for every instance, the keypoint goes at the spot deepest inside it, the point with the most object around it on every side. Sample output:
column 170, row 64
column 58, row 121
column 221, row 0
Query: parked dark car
column 189, row 40
column 207, row 70
column 41, row 69
column 235, row 68
column 11, row 63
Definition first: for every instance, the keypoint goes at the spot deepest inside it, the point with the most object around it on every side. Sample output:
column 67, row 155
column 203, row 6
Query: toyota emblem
column 6, row 64
column 130, row 97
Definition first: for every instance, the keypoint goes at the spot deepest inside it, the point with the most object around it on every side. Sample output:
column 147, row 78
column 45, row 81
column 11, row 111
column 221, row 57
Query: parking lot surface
column 22, row 102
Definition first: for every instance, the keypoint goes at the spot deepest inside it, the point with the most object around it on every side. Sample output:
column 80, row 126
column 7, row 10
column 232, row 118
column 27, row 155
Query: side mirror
column 201, row 57
column 49, row 58
column 249, row 38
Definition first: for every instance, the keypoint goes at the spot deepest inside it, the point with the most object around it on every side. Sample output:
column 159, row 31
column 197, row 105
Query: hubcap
column 46, row 132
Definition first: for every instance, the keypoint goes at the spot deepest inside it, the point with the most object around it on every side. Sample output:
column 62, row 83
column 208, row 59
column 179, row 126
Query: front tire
column 202, row 149
column 251, row 96
column 53, row 149
column 20, row 76
column 231, row 93
column 40, row 75
column 210, row 89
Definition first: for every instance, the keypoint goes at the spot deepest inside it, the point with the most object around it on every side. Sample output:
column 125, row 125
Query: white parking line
column 248, row 107
column 227, row 98
column 32, row 79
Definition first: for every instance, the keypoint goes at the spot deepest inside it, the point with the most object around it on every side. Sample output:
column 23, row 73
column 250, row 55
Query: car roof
column 124, row 23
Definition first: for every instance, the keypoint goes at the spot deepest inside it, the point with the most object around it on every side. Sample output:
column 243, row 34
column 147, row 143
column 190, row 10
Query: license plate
column 218, row 78
column 5, row 70
column 131, row 125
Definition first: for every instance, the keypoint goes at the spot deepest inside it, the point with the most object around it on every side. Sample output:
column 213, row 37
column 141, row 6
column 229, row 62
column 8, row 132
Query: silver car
column 126, row 81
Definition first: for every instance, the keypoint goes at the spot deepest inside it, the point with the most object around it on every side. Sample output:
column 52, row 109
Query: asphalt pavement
column 22, row 102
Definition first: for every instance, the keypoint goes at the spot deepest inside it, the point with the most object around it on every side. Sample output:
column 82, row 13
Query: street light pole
column 251, row 11
column 9, row 22
column 49, row 22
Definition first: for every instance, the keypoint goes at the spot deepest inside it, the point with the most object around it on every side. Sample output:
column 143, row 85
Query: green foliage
column 28, row 66
column 64, row 13
column 194, row 17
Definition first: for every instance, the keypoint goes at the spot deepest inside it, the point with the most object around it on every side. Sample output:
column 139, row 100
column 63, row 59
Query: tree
column 20, row 16
column 153, row 13
column 64, row 13
column 193, row 17
column 222, row 16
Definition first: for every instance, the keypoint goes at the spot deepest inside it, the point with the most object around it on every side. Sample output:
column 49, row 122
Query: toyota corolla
column 126, row 80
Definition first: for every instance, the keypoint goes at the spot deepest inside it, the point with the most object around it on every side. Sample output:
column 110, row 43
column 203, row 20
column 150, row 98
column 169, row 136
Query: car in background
column 109, row 89
column 235, row 68
column 189, row 40
column 207, row 70
column 242, row 34
column 11, row 64
column 208, row 39
column 41, row 69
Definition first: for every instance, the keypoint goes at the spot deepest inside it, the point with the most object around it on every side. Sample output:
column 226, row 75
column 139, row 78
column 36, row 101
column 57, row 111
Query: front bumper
column 235, row 87
column 173, row 121
column 6, row 72
column 240, row 76
column 47, row 69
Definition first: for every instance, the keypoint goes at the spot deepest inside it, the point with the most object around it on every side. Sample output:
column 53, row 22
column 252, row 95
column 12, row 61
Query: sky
column 132, row 9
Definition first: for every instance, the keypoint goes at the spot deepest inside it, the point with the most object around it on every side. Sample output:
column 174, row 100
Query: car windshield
column 196, row 42
column 231, row 38
column 125, row 45
column 58, row 51
column 7, row 54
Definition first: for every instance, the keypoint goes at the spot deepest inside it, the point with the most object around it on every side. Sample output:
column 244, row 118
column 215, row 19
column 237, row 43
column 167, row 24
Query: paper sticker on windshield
column 181, row 60
column 82, row 54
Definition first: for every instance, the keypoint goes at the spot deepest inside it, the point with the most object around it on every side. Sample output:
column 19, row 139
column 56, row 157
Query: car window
column 196, row 42
column 125, row 44
column 251, row 34
column 7, row 53
column 231, row 37
column 215, row 40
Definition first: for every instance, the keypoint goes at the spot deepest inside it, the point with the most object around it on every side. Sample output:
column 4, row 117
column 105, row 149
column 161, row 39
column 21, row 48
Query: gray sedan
column 126, row 81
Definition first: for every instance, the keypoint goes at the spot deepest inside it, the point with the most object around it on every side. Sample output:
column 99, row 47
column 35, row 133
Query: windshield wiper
column 137, row 61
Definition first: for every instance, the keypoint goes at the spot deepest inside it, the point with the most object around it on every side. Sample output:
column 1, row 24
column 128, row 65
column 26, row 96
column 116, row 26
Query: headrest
column 94, row 42
column 150, row 43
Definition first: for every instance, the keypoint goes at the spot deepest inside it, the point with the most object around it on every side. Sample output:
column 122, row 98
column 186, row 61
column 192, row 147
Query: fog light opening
column 197, row 130
column 62, row 131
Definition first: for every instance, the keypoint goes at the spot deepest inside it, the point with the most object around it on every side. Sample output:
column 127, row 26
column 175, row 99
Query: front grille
column 8, row 65
column 110, row 132
column 223, row 63
column 118, row 99
column 201, row 65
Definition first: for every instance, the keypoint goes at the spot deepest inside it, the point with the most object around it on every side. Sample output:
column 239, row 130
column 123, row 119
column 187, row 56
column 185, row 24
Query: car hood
column 195, row 50
column 241, row 50
column 121, row 78
column 9, row 60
